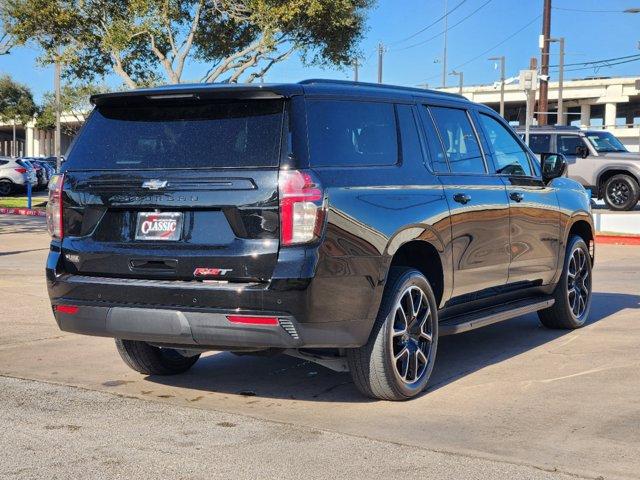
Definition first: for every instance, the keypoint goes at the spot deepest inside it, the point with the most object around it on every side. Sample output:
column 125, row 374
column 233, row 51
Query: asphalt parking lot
column 513, row 400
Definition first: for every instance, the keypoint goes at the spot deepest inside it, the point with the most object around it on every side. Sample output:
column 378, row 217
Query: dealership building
column 603, row 103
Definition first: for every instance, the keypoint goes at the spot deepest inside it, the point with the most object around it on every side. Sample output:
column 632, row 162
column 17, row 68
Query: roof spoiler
column 193, row 93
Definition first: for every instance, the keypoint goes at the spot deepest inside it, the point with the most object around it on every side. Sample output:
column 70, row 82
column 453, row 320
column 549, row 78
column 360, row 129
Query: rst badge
column 159, row 226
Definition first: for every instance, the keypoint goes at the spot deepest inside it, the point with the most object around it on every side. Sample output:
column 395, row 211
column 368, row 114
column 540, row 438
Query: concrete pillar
column 561, row 117
column 28, row 137
column 610, row 112
column 585, row 115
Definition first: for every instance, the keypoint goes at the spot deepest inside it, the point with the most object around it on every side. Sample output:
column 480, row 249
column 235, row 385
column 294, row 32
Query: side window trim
column 417, row 123
column 430, row 137
column 475, row 131
column 440, row 140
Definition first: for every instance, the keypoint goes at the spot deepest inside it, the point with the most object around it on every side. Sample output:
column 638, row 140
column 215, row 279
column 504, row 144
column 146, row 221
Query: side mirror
column 582, row 151
column 554, row 165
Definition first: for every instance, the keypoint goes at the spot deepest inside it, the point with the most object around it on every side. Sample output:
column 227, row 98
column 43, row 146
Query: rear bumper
column 176, row 327
column 195, row 313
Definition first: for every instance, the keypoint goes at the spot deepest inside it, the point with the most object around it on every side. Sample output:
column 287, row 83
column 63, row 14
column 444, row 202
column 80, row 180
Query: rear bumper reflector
column 68, row 309
column 252, row 320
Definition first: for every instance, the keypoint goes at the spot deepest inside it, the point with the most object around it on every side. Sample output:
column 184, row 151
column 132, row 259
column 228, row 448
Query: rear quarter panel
column 372, row 212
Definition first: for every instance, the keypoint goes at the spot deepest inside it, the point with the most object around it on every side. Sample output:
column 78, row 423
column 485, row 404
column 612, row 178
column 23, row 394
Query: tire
column 621, row 192
column 150, row 360
column 573, row 293
column 372, row 366
column 6, row 187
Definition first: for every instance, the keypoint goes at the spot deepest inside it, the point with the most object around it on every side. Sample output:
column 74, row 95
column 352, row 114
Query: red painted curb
column 23, row 211
column 618, row 239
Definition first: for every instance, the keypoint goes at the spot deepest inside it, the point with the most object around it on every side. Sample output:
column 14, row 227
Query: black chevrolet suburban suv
column 345, row 223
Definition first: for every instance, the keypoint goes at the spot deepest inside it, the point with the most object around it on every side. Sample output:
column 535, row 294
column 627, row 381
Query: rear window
column 232, row 134
column 349, row 133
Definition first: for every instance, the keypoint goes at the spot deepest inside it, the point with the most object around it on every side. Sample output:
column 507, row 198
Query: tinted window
column 540, row 143
column 508, row 155
column 4, row 162
column 409, row 139
column 459, row 140
column 344, row 133
column 567, row 144
column 207, row 134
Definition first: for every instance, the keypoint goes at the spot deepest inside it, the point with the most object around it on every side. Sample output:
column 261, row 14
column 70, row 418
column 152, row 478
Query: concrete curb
column 614, row 239
column 23, row 211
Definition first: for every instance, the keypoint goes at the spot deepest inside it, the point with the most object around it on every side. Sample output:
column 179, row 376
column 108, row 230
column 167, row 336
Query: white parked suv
column 15, row 174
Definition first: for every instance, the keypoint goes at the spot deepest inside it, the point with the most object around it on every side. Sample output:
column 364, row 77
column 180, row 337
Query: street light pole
column 380, row 58
column 57, row 136
column 356, row 64
column 444, row 53
column 460, row 76
column 561, row 116
column 502, row 61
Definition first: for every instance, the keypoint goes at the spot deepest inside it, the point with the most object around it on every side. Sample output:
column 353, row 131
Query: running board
column 489, row 316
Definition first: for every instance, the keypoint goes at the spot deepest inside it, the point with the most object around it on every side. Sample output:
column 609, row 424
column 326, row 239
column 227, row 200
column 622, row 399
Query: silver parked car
column 15, row 174
column 596, row 159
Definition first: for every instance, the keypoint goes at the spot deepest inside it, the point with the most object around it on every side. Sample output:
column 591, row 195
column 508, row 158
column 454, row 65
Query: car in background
column 596, row 159
column 41, row 174
column 15, row 174
column 48, row 169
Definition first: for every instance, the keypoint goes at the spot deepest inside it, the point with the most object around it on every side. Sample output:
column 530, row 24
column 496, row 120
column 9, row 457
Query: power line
column 604, row 65
column 606, row 60
column 489, row 50
column 438, row 20
column 443, row 32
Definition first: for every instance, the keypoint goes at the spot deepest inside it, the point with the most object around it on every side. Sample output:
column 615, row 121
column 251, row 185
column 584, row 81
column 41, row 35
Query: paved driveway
column 513, row 400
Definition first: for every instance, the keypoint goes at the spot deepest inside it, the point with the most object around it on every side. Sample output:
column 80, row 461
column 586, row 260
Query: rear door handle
column 462, row 198
column 516, row 196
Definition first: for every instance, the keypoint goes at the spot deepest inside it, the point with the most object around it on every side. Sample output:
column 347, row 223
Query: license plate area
column 159, row 226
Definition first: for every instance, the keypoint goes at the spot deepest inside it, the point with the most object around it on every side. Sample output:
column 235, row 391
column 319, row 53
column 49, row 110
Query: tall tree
column 74, row 105
column 16, row 105
column 147, row 41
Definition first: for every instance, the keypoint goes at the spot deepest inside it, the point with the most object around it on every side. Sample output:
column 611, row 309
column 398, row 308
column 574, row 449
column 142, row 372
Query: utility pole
column 380, row 58
column 444, row 53
column 356, row 64
column 460, row 76
column 543, row 106
column 561, row 117
column 502, row 61
column 57, row 136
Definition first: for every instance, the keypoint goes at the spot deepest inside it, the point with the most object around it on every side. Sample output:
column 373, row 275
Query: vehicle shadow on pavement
column 283, row 377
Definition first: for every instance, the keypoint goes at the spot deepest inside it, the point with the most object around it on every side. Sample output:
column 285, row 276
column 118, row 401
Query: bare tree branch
column 186, row 48
column 119, row 69
column 225, row 65
column 167, row 24
column 272, row 61
column 166, row 63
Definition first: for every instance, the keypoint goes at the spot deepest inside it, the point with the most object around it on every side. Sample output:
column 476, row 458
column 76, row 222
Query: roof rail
column 328, row 81
column 550, row 127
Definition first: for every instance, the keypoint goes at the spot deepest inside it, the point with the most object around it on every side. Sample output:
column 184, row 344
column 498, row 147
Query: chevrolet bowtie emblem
column 154, row 184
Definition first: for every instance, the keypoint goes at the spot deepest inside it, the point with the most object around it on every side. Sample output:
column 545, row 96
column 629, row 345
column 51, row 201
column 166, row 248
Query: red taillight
column 301, row 207
column 68, row 309
column 252, row 320
column 21, row 170
column 54, row 206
